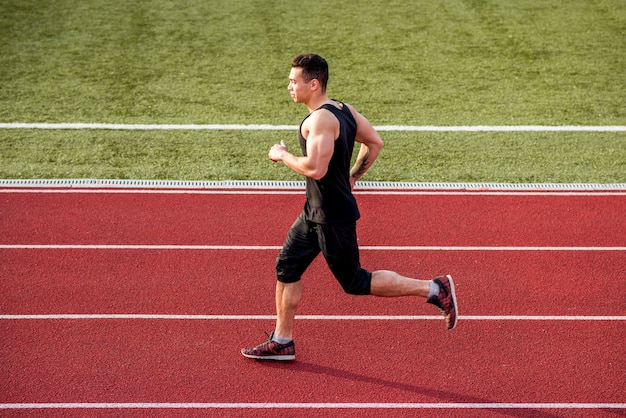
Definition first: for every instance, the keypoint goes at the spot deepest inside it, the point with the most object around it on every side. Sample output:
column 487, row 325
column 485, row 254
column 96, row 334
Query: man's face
column 298, row 88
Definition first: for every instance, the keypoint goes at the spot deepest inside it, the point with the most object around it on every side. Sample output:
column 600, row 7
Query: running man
column 327, row 223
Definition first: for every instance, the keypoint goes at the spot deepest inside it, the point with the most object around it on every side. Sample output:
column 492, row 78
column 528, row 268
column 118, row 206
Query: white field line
column 324, row 405
column 188, row 317
column 264, row 127
column 278, row 247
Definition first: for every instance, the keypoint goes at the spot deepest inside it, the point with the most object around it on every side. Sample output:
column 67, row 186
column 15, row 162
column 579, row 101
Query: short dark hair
column 313, row 67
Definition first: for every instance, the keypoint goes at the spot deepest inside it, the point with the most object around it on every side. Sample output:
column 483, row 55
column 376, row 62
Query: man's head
column 313, row 67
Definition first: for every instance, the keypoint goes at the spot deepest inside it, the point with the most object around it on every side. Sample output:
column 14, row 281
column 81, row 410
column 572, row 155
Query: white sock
column 434, row 289
column 280, row 340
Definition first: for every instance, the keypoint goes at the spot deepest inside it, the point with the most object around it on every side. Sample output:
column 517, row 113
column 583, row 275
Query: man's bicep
column 323, row 129
column 319, row 147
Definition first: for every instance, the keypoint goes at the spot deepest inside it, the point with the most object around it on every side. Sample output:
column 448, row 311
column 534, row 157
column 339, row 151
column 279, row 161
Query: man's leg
column 288, row 297
column 280, row 345
column 391, row 284
column 339, row 245
column 439, row 291
column 299, row 250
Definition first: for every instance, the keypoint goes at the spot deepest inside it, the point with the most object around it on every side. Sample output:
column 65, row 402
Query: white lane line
column 324, row 405
column 136, row 247
column 311, row 317
column 187, row 191
column 278, row 247
column 268, row 127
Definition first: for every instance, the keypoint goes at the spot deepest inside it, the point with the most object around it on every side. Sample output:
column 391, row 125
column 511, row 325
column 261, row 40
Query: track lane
column 242, row 219
column 224, row 282
column 172, row 361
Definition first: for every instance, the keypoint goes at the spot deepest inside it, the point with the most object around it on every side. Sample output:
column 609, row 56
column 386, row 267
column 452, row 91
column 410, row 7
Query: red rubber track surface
column 338, row 361
column 262, row 219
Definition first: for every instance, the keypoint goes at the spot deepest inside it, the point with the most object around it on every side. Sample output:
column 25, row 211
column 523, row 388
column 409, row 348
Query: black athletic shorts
column 338, row 244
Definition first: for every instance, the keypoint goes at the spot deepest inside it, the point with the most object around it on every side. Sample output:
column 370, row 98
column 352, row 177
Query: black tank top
column 330, row 199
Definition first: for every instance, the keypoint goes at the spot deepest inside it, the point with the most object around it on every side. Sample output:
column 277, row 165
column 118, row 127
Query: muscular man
column 328, row 222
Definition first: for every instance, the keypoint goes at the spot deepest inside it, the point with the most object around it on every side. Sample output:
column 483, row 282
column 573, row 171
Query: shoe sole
column 456, row 307
column 278, row 357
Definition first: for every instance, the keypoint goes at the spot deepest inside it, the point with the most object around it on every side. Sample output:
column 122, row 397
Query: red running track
column 549, row 257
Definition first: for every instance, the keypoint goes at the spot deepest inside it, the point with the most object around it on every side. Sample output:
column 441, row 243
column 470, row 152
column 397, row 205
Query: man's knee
column 286, row 279
column 358, row 284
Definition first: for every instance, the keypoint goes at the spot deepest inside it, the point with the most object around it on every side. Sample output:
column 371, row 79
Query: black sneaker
column 446, row 300
column 271, row 350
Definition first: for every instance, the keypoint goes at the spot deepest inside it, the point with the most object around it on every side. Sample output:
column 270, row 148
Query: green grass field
column 400, row 63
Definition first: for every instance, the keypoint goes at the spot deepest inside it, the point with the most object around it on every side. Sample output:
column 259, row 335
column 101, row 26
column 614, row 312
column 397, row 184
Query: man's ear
column 315, row 84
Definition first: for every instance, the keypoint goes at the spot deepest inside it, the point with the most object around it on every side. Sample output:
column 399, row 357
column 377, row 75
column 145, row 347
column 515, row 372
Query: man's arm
column 320, row 131
column 371, row 144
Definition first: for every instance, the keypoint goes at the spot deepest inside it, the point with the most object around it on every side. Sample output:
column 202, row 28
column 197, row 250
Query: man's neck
column 316, row 102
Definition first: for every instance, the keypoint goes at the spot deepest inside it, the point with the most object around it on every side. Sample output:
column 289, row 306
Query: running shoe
column 271, row 350
column 446, row 300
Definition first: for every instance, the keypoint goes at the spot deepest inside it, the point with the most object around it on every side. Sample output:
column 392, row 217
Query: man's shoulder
column 321, row 117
